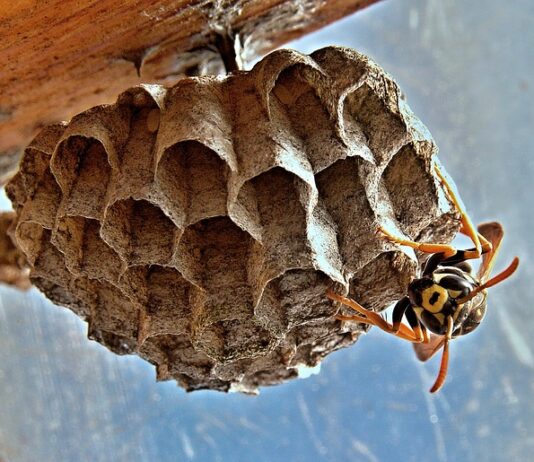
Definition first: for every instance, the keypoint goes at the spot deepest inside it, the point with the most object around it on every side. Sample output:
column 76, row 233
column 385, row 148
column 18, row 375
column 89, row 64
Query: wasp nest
column 200, row 226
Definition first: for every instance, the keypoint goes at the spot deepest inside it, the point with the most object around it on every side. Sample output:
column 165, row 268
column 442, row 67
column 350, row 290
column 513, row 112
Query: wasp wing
column 493, row 232
column 424, row 351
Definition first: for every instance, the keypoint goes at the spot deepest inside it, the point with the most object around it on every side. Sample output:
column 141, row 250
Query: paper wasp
column 448, row 299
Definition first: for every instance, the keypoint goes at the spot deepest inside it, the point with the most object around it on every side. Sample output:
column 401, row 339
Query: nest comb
column 199, row 226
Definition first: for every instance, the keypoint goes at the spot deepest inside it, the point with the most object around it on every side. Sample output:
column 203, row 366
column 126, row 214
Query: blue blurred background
column 466, row 69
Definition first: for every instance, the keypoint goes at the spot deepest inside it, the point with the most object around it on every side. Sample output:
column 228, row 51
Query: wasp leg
column 399, row 311
column 444, row 365
column 371, row 318
column 450, row 255
column 445, row 249
column 418, row 329
column 480, row 242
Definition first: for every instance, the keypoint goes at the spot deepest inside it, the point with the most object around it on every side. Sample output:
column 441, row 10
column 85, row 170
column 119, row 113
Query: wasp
column 447, row 300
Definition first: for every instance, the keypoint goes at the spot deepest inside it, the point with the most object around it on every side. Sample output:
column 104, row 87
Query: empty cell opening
column 113, row 311
column 345, row 198
column 282, row 215
column 33, row 167
column 291, row 85
column 60, row 295
column 139, row 231
column 384, row 130
column 30, row 236
column 307, row 115
column 411, row 189
column 50, row 263
column 45, row 201
column 137, row 161
column 98, row 260
column 220, row 251
column 167, row 301
column 300, row 296
column 183, row 358
column 118, row 344
column 193, row 179
column 233, row 340
column 382, row 281
column 78, row 239
column 83, row 172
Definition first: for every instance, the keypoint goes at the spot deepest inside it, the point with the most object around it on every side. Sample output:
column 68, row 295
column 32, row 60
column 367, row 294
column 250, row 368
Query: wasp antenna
column 503, row 274
column 491, row 282
column 444, row 366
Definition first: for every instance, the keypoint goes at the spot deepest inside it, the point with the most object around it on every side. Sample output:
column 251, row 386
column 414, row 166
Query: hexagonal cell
column 232, row 340
column 409, row 194
column 293, row 96
column 294, row 298
column 85, row 252
column 137, row 156
column 14, row 269
column 384, row 280
column 383, row 127
column 200, row 111
column 291, row 85
column 35, row 161
column 344, row 196
column 50, row 274
column 269, row 377
column 43, row 204
column 119, row 344
column 80, row 166
column 168, row 308
column 217, row 250
column 139, row 232
column 283, row 218
column 345, row 65
column 30, row 237
column 192, row 179
column 114, row 312
column 177, row 356
column 33, row 166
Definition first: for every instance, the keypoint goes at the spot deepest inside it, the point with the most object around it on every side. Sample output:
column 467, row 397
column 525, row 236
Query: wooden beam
column 59, row 57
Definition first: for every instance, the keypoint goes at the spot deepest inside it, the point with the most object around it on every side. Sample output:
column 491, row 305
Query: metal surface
column 466, row 69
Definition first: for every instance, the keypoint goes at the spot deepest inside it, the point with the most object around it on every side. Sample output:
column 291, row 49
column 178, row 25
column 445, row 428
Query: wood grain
column 59, row 57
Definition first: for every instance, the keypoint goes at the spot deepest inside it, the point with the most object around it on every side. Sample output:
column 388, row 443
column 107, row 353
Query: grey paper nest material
column 199, row 226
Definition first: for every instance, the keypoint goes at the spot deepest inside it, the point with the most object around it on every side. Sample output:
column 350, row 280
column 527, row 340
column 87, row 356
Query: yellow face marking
column 418, row 311
column 430, row 302
column 454, row 293
column 440, row 317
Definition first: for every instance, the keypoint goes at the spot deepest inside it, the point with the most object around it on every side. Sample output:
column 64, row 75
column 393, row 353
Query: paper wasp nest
column 199, row 226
